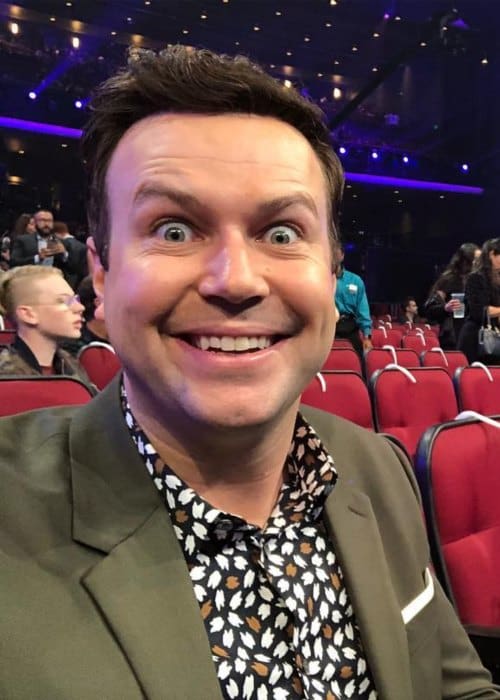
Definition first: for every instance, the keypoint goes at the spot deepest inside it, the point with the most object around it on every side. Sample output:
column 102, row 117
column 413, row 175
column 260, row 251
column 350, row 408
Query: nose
column 235, row 270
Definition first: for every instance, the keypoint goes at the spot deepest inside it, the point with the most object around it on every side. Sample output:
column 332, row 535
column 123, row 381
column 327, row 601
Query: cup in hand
column 460, row 311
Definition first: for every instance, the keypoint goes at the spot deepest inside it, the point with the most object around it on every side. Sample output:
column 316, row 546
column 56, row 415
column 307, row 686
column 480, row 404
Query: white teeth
column 228, row 343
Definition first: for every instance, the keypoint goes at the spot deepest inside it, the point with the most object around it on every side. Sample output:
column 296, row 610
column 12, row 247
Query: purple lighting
column 78, row 104
column 385, row 181
column 387, row 16
column 406, row 160
column 375, row 155
column 465, row 167
column 32, row 95
column 40, row 128
column 342, row 150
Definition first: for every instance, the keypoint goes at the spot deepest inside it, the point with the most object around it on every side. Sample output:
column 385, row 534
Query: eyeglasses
column 68, row 301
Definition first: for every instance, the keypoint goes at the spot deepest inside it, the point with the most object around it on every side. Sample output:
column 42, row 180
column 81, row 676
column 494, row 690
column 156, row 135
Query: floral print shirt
column 277, row 614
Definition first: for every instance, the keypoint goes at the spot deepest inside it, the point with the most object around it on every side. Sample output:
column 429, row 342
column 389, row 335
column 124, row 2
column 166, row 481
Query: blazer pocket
column 419, row 616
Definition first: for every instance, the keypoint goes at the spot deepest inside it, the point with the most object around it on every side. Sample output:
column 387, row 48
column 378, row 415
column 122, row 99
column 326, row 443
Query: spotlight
column 75, row 42
column 14, row 28
column 406, row 160
column 32, row 95
column 375, row 155
column 337, row 93
column 342, row 150
column 78, row 104
column 387, row 16
column 465, row 167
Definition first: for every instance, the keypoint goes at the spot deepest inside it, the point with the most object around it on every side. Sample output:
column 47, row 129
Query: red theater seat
column 7, row 336
column 342, row 393
column 458, row 469
column 19, row 394
column 343, row 358
column 478, row 389
column 377, row 358
column 100, row 362
column 406, row 402
column 450, row 360
column 419, row 342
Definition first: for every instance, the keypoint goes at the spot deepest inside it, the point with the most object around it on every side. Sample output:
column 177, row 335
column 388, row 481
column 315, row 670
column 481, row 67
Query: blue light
column 406, row 160
column 342, row 150
column 375, row 155
column 32, row 95
column 78, row 104
column 465, row 167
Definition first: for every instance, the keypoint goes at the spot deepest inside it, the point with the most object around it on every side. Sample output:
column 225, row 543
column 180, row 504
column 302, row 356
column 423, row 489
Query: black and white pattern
column 276, row 611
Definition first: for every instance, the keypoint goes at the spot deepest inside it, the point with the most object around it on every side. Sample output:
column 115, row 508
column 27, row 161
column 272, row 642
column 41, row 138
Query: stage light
column 75, row 42
column 342, row 150
column 337, row 93
column 484, row 61
column 375, row 155
column 32, row 95
column 287, row 83
column 78, row 104
column 387, row 16
column 406, row 160
column 14, row 28
column 465, row 168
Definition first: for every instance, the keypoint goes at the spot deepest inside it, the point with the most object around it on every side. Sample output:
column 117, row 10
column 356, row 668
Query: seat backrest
column 458, row 469
column 379, row 337
column 7, row 336
column 100, row 362
column 342, row 393
column 478, row 389
column 19, row 394
column 406, row 402
column 419, row 342
column 450, row 360
column 343, row 358
column 377, row 358
column 394, row 337
column 341, row 343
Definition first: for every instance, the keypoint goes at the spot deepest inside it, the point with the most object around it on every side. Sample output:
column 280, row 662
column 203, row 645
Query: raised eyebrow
column 274, row 206
column 154, row 191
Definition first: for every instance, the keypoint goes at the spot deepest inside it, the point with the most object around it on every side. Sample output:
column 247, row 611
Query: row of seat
column 404, row 402
column 457, row 465
column 377, row 358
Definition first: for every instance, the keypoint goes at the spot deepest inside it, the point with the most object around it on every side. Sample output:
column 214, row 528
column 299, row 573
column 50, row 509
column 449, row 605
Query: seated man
column 44, row 310
column 190, row 533
column 409, row 311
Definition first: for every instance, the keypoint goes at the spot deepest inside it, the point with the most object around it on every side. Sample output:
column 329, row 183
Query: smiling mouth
column 230, row 344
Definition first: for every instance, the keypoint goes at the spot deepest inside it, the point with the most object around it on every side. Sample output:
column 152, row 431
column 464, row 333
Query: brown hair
column 197, row 81
column 19, row 228
column 12, row 280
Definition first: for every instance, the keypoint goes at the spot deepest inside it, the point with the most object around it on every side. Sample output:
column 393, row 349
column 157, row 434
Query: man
column 409, row 310
column 43, row 248
column 352, row 305
column 77, row 254
column 187, row 534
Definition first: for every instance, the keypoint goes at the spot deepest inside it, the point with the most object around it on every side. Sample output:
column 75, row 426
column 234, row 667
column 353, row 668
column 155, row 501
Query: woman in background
column 440, row 306
column 44, row 310
column 482, row 297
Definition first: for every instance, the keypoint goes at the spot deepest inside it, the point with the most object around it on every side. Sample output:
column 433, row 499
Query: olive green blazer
column 96, row 602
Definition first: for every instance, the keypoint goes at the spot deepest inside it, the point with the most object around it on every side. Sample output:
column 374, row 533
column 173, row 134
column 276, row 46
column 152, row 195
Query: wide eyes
column 175, row 231
column 180, row 232
column 281, row 234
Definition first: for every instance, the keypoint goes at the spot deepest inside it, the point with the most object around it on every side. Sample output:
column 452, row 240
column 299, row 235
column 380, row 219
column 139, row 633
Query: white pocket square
column 419, row 603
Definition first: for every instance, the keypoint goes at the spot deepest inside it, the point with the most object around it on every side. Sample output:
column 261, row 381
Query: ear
column 98, row 276
column 26, row 314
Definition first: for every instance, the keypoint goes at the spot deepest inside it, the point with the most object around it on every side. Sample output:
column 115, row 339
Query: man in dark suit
column 190, row 533
column 44, row 248
column 77, row 254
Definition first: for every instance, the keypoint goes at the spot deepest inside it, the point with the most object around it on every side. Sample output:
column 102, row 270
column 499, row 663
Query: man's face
column 412, row 307
column 58, row 313
column 44, row 222
column 219, row 293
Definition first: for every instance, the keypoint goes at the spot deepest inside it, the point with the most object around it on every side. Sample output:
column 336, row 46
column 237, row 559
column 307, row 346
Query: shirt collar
column 310, row 476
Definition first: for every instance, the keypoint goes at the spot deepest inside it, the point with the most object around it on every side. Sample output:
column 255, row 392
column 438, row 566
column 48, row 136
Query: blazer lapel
column 141, row 586
column 353, row 530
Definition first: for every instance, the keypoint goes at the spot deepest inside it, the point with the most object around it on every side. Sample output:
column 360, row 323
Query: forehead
column 43, row 215
column 227, row 151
